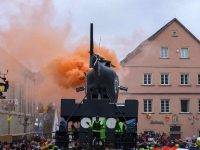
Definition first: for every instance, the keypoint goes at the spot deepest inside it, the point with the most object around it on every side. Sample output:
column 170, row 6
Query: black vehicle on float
column 102, row 89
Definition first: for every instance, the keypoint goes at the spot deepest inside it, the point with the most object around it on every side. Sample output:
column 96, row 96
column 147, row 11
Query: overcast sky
column 123, row 24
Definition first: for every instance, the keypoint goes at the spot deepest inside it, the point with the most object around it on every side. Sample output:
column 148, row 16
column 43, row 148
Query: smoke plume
column 69, row 70
column 34, row 39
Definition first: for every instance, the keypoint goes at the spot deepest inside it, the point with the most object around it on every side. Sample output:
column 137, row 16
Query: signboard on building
column 157, row 122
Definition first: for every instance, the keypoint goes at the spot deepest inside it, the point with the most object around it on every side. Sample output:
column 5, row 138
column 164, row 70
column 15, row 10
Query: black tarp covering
column 103, row 108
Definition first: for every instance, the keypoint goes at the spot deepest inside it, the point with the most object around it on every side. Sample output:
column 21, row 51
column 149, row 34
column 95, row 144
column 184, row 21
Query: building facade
column 163, row 74
column 20, row 102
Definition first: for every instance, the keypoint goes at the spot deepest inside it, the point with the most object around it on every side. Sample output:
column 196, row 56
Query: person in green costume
column 98, row 130
column 120, row 127
column 119, row 132
column 96, row 127
column 103, row 130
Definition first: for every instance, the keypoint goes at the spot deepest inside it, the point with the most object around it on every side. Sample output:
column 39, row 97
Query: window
column 147, row 78
column 165, row 105
column 147, row 105
column 174, row 33
column 164, row 52
column 184, row 106
column 198, row 81
column 184, row 53
column 184, row 79
column 199, row 105
column 164, row 78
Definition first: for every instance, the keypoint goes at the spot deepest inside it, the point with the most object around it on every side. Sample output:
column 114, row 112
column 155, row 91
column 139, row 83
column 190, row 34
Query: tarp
column 131, row 122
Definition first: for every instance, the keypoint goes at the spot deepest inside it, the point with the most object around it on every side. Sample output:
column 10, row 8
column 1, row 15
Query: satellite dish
column 110, row 123
column 85, row 122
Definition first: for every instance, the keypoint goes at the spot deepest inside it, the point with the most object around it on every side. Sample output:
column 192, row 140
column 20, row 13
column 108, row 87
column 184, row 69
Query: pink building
column 163, row 74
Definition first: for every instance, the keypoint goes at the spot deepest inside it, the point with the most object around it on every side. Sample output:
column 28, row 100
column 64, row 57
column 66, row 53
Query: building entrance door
column 175, row 131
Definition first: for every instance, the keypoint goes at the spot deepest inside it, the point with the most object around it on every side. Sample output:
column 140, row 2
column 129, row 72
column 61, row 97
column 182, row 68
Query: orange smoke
column 69, row 70
column 31, row 36
column 42, row 46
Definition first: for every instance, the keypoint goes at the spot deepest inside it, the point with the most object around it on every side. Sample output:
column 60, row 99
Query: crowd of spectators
column 146, row 141
column 36, row 143
column 152, row 140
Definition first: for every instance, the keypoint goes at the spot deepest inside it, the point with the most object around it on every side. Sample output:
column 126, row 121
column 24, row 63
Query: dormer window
column 164, row 52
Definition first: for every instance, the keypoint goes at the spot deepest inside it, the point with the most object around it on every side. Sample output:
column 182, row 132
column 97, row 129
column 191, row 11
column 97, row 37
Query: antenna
column 91, row 46
column 92, row 55
column 99, row 42
column 91, row 40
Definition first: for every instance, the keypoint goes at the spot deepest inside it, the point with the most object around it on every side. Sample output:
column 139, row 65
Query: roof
column 138, row 49
column 168, row 24
column 134, row 52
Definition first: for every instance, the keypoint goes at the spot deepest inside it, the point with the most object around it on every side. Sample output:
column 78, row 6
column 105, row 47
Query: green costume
column 198, row 142
column 119, row 133
column 119, row 127
column 103, row 130
column 99, row 128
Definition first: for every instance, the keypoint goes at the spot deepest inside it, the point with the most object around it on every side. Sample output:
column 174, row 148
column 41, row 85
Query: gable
column 155, row 35
column 162, row 34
